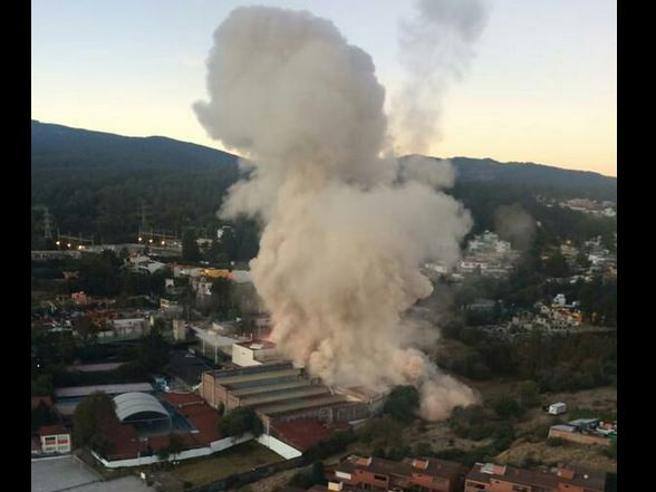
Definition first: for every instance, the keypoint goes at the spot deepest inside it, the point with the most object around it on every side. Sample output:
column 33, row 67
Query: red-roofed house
column 55, row 439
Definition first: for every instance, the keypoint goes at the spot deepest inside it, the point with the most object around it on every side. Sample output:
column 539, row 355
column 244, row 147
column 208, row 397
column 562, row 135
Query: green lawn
column 234, row 460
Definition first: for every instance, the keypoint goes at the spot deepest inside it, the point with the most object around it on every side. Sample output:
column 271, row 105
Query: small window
column 51, row 439
column 380, row 477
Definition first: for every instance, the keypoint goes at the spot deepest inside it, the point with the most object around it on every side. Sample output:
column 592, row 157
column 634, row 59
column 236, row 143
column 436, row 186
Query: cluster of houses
column 486, row 255
column 596, row 208
column 591, row 207
column 356, row 473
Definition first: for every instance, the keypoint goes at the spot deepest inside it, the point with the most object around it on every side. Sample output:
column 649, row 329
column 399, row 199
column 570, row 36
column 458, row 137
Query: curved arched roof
column 128, row 404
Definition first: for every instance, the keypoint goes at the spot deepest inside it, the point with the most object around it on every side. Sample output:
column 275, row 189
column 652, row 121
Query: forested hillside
column 94, row 183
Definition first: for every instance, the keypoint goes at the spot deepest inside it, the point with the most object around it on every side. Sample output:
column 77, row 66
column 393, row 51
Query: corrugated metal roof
column 128, row 404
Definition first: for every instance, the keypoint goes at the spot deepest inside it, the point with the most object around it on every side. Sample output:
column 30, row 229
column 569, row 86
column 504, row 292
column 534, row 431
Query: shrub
column 240, row 421
column 555, row 441
column 402, row 403
column 507, row 407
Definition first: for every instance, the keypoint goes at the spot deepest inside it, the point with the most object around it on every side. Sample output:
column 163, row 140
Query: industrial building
column 67, row 399
column 143, row 411
column 279, row 391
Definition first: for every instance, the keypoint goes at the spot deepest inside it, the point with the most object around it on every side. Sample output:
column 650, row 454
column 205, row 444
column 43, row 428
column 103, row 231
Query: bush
column 474, row 422
column 555, row 441
column 402, row 403
column 507, row 407
column 240, row 421
column 529, row 394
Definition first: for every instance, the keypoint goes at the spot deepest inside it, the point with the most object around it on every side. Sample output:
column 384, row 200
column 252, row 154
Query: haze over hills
column 94, row 182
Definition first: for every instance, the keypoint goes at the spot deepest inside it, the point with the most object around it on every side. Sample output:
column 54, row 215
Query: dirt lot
column 589, row 457
column 240, row 458
column 531, row 430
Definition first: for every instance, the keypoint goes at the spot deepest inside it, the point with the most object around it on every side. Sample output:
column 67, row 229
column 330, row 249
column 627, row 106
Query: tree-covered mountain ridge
column 95, row 182
column 61, row 146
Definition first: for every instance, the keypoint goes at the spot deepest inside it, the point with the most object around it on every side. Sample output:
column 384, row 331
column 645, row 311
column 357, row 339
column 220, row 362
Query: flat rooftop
column 257, row 344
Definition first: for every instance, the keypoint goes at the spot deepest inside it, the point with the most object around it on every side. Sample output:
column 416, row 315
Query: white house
column 55, row 439
column 247, row 354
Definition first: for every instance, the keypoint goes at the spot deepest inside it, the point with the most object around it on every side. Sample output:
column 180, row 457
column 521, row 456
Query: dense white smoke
column 515, row 224
column 344, row 234
column 436, row 46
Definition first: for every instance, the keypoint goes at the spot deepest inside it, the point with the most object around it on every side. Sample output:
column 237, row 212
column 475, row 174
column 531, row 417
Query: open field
column 241, row 458
column 590, row 457
column 531, row 430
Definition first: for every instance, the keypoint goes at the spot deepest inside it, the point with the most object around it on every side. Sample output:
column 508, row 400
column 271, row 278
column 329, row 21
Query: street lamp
column 140, row 239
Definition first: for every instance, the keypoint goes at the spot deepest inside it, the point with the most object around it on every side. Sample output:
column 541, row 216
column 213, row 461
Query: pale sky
column 541, row 88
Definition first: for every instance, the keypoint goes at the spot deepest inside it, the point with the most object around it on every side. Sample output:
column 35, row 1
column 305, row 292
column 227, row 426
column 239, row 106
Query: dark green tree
column 240, row 421
column 190, row 250
column 90, row 415
column 402, row 403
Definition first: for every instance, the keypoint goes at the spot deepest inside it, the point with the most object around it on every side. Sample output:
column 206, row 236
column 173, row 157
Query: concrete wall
column 214, row 447
column 577, row 437
column 277, row 446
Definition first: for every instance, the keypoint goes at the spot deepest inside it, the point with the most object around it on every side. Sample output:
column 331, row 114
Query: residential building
column 426, row 474
column 55, row 439
column 80, row 298
column 125, row 328
column 502, row 478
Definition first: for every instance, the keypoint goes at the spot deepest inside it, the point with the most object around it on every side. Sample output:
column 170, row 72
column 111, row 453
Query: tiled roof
column 50, row 430
column 203, row 417
column 302, row 434
column 594, row 480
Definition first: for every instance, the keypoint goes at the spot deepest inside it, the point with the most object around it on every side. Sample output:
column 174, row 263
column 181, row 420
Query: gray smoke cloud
column 435, row 49
column 343, row 236
column 436, row 173
column 513, row 223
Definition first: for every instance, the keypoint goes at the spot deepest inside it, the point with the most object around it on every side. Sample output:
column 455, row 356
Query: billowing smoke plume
column 436, row 173
column 343, row 233
column 514, row 224
column 436, row 46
